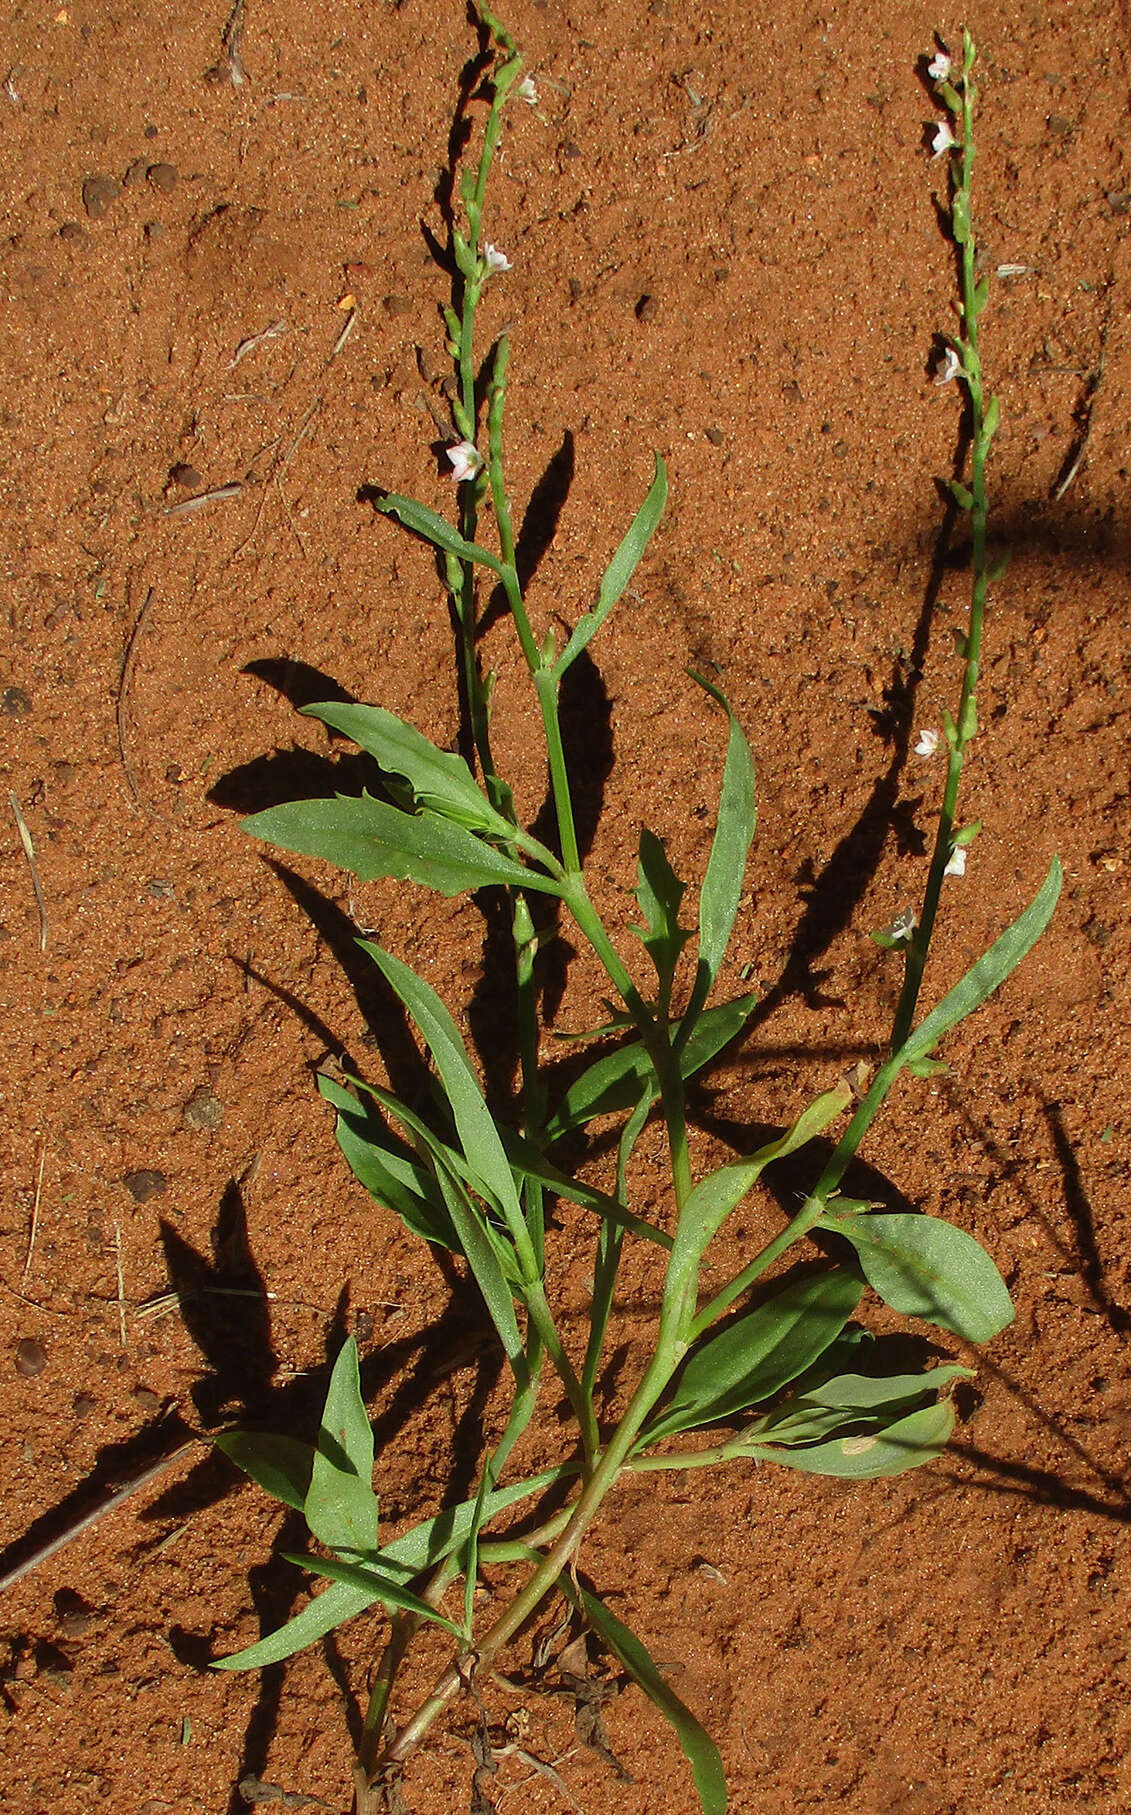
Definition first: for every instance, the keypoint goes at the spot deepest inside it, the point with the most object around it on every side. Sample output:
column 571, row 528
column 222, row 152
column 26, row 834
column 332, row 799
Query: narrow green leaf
column 924, row 1267
column 438, row 779
column 989, row 972
column 696, row 1743
column 437, row 530
column 280, row 1465
column 530, row 1163
column 374, row 839
column 341, row 1508
column 961, row 494
column 392, row 1176
column 759, row 1353
column 883, row 1392
column 480, row 1247
column 474, row 1124
column 380, row 1587
column 659, row 892
column 620, row 569
column 908, row 1443
column 614, row 1081
column 711, row 1201
column 320, row 1616
column 721, row 892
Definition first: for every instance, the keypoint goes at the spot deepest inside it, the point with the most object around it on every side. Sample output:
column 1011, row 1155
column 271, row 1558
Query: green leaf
column 659, row 892
column 438, row 780
column 698, row 1747
column 475, row 1126
column 711, row 1201
column 481, row 1246
column 988, row 973
column 721, row 892
column 280, row 1465
column 910, row 1441
column 759, row 1353
column 620, row 569
column 390, row 1174
column 529, row 1162
column 882, row 1392
column 614, row 1081
column 341, row 1507
column 924, row 1267
column 374, row 839
column 380, row 1587
column 961, row 494
column 437, row 530
column 311, row 1623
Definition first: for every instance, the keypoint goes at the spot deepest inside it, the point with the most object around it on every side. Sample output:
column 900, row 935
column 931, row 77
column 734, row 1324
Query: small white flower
column 939, row 67
column 956, row 862
column 947, row 366
column 496, row 260
column 903, row 925
column 527, row 91
column 928, row 742
column 466, row 460
column 944, row 139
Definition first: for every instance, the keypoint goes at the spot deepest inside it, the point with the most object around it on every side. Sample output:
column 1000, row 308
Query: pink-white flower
column 496, row 260
column 939, row 67
column 928, row 742
column 466, row 460
column 527, row 91
column 944, row 139
column 956, row 862
column 947, row 366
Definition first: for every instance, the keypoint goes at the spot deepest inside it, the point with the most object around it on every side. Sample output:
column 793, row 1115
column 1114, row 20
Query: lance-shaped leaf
column 906, row 1443
column 366, row 1579
column 698, row 1747
column 341, row 1507
column 481, row 1247
column 924, row 1267
column 759, row 1353
column 437, row 779
column 711, row 1201
column 475, row 1126
column 374, row 839
column 721, row 890
column 620, row 569
column 437, row 530
column 614, row 1082
column 391, row 1174
column 659, row 892
column 280, row 1465
column 528, row 1160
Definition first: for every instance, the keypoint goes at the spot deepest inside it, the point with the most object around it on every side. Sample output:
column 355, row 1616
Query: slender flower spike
column 947, row 366
column 956, row 862
column 466, row 460
column 928, row 742
column 944, row 139
column 939, row 67
column 496, row 260
column 527, row 91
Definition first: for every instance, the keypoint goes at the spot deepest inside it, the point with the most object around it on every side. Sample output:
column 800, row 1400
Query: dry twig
column 34, row 1223
column 29, row 853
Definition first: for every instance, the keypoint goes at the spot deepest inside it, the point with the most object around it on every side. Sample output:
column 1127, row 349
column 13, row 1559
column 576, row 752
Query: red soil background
column 726, row 247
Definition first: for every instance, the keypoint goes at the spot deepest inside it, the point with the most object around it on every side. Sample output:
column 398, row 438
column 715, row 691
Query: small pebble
column 70, row 230
column 14, row 702
column 203, row 1110
column 147, row 1399
column 186, row 476
column 136, row 172
column 716, row 437
column 31, row 1357
column 74, row 1616
column 163, row 176
column 82, row 1405
column 144, row 1184
column 97, row 194
column 397, row 305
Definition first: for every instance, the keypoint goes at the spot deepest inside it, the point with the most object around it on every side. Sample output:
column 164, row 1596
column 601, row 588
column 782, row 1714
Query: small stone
column 203, row 1110
column 136, row 172
column 163, row 177
column 1118, row 201
column 74, row 1616
column 147, row 1399
column 14, row 702
column 71, row 231
column 97, row 194
column 647, row 308
column 186, row 476
column 397, row 305
column 82, row 1405
column 1059, row 126
column 175, row 774
column 144, row 1184
column 715, row 437
column 31, row 1357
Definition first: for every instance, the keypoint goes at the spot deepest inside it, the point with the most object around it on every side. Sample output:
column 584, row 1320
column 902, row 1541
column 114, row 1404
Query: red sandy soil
column 726, row 247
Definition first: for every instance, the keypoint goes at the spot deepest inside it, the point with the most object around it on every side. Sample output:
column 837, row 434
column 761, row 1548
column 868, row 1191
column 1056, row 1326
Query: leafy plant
column 775, row 1365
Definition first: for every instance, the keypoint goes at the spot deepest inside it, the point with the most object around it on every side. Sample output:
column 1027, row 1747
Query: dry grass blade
column 29, row 853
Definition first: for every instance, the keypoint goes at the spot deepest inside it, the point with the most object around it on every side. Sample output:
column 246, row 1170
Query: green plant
column 776, row 1359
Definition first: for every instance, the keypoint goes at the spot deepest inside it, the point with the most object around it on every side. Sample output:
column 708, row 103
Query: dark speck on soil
column 144, row 1184
column 31, row 1357
column 97, row 194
